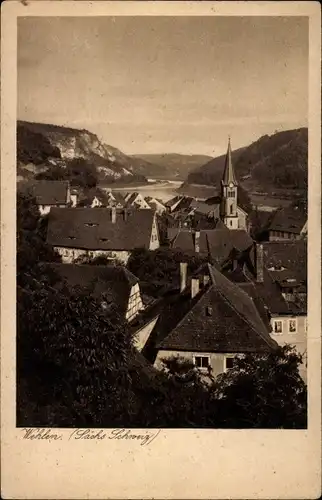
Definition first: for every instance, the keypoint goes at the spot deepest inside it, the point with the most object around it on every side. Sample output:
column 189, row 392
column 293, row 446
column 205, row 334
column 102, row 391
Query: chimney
column 113, row 215
column 197, row 241
column 259, row 255
column 194, row 287
column 183, row 275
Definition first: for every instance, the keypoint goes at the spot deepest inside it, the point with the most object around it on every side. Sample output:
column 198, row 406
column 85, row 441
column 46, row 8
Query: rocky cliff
column 41, row 147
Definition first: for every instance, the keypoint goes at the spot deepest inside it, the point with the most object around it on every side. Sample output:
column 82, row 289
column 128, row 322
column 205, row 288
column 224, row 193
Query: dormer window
column 103, row 239
column 72, row 237
column 208, row 311
column 91, row 224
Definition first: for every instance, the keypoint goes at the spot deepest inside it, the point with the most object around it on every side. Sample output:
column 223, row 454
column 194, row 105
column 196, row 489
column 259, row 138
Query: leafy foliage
column 77, row 367
column 276, row 161
column 34, row 147
column 263, row 391
column 162, row 265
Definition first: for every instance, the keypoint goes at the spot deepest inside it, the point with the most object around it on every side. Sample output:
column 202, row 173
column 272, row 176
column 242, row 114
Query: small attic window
column 91, row 224
column 208, row 311
column 72, row 237
column 103, row 239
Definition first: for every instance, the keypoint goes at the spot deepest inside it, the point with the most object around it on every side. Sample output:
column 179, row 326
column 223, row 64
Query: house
column 96, row 197
column 224, row 205
column 49, row 194
column 136, row 200
column 156, row 205
column 218, row 244
column 85, row 232
column 276, row 280
column 115, row 286
column 288, row 223
column 116, row 199
column 178, row 203
column 210, row 323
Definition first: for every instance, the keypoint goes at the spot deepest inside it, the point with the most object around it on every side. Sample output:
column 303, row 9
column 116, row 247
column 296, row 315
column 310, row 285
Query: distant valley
column 173, row 166
column 275, row 165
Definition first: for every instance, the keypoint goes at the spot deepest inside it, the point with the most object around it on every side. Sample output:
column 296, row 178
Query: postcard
column 160, row 250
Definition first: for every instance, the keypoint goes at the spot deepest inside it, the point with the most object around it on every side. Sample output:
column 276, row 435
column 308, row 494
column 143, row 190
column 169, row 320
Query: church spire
column 229, row 174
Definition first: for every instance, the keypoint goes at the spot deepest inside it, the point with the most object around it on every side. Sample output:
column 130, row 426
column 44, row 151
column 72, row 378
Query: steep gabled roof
column 229, row 173
column 269, row 293
column 110, row 283
column 286, row 260
column 288, row 219
column 47, row 192
column 223, row 318
column 93, row 229
column 218, row 242
column 200, row 207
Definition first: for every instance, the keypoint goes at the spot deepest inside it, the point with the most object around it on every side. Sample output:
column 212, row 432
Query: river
column 162, row 189
column 166, row 189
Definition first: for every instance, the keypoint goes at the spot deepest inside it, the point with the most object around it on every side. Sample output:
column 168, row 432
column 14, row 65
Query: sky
column 165, row 84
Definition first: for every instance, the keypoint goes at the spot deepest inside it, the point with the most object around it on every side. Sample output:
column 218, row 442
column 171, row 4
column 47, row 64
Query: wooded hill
column 279, row 161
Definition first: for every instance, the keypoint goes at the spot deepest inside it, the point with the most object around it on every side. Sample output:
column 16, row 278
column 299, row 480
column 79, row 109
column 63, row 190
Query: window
column 228, row 363
column 231, row 222
column 305, row 325
column 231, row 209
column 202, row 361
column 231, row 194
column 292, row 326
column 278, row 327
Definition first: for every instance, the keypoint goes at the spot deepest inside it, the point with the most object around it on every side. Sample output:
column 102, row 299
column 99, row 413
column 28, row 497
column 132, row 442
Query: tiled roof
column 292, row 256
column 223, row 318
column 87, row 197
column 47, row 192
column 288, row 219
column 218, row 242
column 110, row 283
column 269, row 293
column 118, row 197
column 206, row 208
column 93, row 229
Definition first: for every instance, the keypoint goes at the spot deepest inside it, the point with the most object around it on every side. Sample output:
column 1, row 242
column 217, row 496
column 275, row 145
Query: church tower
column 229, row 213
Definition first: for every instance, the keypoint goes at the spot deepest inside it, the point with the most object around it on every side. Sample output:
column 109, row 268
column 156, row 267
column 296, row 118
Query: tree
column 32, row 249
column 72, row 359
column 162, row 265
column 82, row 173
column 263, row 391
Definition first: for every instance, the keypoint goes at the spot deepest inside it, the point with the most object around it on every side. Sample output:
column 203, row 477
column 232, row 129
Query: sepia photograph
column 160, row 250
column 162, row 186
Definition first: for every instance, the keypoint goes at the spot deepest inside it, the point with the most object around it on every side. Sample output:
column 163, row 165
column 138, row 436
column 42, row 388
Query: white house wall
column 297, row 339
column 217, row 360
column 154, row 240
column 69, row 255
column 135, row 304
column 142, row 335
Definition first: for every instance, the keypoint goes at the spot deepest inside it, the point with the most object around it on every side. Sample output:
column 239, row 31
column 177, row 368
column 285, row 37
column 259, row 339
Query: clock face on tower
column 231, row 185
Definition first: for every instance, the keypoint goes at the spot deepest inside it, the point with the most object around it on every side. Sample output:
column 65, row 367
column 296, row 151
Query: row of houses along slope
column 248, row 296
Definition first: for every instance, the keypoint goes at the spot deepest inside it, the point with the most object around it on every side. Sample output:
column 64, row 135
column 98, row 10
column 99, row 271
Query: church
column 231, row 214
